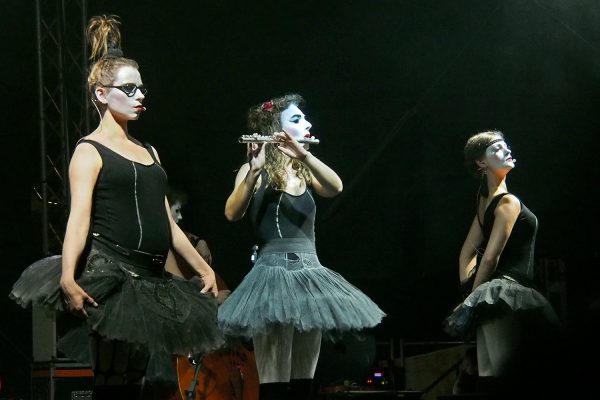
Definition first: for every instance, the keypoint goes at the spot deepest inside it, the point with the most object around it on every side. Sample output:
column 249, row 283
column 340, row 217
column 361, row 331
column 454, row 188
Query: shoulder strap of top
column 84, row 140
column 148, row 147
column 264, row 180
column 98, row 146
column 494, row 203
column 490, row 208
column 499, row 196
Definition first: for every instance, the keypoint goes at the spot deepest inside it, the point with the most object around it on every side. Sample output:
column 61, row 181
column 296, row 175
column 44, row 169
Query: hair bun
column 114, row 51
column 104, row 36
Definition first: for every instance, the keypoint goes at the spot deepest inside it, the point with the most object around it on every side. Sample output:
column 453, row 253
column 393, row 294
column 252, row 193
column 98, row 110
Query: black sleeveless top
column 277, row 214
column 516, row 260
column 129, row 202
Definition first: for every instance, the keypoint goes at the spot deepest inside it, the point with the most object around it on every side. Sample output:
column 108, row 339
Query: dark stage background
column 393, row 90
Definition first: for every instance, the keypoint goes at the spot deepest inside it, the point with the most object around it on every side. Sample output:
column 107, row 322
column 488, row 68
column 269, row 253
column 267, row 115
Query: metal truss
column 63, row 108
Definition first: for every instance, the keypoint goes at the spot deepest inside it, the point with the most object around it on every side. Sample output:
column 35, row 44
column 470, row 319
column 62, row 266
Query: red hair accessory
column 268, row 106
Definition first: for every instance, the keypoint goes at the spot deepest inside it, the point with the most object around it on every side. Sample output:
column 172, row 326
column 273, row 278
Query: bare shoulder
column 243, row 170
column 86, row 153
column 509, row 205
column 85, row 165
column 510, row 199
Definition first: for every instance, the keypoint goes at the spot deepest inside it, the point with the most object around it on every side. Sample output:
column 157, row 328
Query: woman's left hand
column 289, row 146
column 210, row 282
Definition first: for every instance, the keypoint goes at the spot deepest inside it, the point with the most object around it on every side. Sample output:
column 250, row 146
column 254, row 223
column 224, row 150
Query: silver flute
column 256, row 138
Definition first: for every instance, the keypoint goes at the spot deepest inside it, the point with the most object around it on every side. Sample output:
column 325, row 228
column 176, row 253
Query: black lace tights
column 118, row 367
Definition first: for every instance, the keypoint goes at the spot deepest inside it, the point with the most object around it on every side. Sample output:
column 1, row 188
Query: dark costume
column 288, row 298
column 122, row 269
column 515, row 325
column 511, row 285
column 288, row 284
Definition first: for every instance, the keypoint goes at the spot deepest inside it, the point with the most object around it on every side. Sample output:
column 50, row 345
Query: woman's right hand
column 75, row 297
column 256, row 151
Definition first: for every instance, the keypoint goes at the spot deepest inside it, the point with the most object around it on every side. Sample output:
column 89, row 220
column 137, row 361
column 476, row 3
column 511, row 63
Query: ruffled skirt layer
column 158, row 312
column 294, row 288
column 493, row 299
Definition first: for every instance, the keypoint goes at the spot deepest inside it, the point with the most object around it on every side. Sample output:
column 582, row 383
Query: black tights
column 119, row 369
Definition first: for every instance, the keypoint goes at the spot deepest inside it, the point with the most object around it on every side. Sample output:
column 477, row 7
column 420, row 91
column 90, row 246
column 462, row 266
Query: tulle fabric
column 295, row 289
column 39, row 285
column 163, row 314
column 493, row 299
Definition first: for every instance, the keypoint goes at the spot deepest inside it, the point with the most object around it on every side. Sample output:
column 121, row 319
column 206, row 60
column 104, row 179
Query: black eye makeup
column 130, row 88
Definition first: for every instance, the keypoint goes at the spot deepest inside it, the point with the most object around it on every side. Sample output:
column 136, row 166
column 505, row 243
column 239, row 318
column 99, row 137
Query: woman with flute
column 288, row 299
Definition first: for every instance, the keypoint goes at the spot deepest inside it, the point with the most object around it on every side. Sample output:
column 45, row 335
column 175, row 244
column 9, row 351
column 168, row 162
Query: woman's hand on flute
column 256, row 153
column 289, row 146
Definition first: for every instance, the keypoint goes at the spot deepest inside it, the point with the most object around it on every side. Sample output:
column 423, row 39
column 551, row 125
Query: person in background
column 175, row 264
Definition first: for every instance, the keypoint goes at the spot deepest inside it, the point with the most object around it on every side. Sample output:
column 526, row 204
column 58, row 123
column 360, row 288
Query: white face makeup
column 293, row 122
column 499, row 156
column 118, row 102
column 176, row 212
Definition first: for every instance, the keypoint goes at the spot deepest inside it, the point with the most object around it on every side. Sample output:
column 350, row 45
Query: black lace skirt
column 142, row 306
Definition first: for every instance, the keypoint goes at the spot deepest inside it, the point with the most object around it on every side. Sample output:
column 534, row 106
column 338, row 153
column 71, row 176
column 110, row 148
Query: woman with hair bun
column 288, row 299
column 514, row 324
column 119, row 231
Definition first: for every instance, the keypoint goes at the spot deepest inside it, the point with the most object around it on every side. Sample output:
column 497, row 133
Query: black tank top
column 129, row 202
column 277, row 214
column 517, row 258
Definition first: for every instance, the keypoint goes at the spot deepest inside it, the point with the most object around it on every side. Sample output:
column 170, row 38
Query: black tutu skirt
column 153, row 310
column 293, row 288
column 493, row 299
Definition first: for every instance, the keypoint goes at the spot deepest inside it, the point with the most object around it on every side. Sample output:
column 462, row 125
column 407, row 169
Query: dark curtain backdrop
column 393, row 90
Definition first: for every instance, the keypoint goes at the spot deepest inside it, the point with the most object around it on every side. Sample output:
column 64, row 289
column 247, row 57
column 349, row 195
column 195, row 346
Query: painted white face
column 293, row 122
column 499, row 156
column 118, row 102
column 176, row 212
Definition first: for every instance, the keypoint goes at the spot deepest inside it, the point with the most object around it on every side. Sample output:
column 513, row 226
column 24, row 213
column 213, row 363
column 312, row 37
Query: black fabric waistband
column 129, row 256
column 289, row 245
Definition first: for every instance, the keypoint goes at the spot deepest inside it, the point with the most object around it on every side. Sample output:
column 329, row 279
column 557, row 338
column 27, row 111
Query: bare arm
column 325, row 181
column 172, row 265
column 83, row 172
column 181, row 244
column 468, row 253
column 505, row 216
column 184, row 248
column 246, row 180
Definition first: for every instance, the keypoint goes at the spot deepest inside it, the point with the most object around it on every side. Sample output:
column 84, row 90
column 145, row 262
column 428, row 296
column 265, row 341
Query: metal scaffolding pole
column 63, row 108
column 63, row 117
